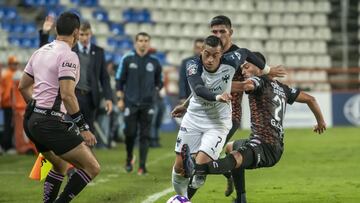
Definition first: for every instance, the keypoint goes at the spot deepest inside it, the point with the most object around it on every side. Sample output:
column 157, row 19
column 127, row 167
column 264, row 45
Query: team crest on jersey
column 192, row 69
column 133, row 66
column 238, row 55
column 226, row 78
column 150, row 67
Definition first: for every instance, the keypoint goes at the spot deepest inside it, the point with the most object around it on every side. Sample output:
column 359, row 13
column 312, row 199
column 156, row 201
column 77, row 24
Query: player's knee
column 93, row 169
column 229, row 147
column 238, row 157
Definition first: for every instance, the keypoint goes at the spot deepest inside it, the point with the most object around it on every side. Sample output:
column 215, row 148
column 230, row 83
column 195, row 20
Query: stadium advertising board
column 346, row 108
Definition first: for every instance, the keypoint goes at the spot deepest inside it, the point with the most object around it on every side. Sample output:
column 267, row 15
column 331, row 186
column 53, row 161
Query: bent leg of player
column 54, row 178
column 212, row 143
column 192, row 138
column 87, row 168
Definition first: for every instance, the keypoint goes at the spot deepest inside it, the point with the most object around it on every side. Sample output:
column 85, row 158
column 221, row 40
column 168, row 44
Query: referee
column 48, row 86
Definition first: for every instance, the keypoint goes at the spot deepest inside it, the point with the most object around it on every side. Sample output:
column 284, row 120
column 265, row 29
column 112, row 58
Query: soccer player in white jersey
column 208, row 118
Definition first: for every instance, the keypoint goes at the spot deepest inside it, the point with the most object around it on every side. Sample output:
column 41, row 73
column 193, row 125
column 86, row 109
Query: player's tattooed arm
column 242, row 86
column 320, row 127
column 277, row 71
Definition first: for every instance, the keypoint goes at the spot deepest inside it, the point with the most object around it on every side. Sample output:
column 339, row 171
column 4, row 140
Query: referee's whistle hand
column 89, row 138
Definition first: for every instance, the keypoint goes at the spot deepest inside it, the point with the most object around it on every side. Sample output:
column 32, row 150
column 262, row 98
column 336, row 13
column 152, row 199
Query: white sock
column 180, row 183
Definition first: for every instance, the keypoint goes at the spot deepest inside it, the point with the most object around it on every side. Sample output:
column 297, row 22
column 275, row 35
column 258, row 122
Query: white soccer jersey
column 218, row 83
column 207, row 122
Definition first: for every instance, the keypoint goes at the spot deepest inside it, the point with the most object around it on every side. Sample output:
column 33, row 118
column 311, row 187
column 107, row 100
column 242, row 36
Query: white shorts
column 206, row 137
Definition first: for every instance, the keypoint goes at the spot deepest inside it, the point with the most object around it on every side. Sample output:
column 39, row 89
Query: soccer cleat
column 229, row 187
column 142, row 171
column 188, row 163
column 130, row 164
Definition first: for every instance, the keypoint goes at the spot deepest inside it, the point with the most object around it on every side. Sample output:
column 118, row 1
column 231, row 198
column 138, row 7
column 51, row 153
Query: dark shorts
column 51, row 133
column 257, row 154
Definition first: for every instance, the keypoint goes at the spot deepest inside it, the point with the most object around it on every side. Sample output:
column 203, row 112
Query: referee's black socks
column 76, row 183
column 52, row 186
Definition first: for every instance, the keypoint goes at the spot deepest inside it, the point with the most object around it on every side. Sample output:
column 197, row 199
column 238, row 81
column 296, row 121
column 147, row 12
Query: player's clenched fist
column 224, row 97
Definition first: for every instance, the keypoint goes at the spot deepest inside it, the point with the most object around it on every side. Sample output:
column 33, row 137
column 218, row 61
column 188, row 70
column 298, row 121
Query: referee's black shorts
column 52, row 133
column 257, row 154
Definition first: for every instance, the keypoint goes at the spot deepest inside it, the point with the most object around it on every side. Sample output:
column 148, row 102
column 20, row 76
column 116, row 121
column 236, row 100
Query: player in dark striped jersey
column 264, row 147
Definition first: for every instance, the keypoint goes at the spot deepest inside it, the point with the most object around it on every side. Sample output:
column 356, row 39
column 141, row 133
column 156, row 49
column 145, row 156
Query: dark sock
column 227, row 175
column 239, row 182
column 129, row 142
column 52, row 186
column 144, row 146
column 191, row 192
column 219, row 166
column 241, row 198
column 76, row 184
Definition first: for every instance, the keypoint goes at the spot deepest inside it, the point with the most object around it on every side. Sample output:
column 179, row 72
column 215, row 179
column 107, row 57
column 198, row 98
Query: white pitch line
column 111, row 175
column 156, row 196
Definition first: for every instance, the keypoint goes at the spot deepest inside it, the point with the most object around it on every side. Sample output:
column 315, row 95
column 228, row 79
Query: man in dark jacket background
column 138, row 79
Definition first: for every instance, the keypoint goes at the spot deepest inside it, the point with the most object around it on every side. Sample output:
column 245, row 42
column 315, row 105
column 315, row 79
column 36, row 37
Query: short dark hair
column 199, row 40
column 260, row 56
column 85, row 25
column 220, row 20
column 67, row 23
column 213, row 41
column 142, row 34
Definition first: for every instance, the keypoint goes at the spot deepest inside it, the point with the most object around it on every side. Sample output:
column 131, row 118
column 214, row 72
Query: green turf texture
column 313, row 169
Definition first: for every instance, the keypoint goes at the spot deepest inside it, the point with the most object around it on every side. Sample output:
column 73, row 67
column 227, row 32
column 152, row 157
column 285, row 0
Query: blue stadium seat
column 108, row 56
column 124, row 44
column 29, row 27
column 117, row 29
column 8, row 13
column 101, row 15
column 89, row 3
column 139, row 16
column 161, row 56
column 55, row 11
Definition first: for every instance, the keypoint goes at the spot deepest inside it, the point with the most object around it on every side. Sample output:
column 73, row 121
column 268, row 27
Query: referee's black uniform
column 139, row 77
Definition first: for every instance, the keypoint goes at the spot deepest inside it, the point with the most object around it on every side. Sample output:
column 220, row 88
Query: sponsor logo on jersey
column 68, row 64
column 192, row 69
column 352, row 109
column 133, row 66
column 183, row 129
column 150, row 67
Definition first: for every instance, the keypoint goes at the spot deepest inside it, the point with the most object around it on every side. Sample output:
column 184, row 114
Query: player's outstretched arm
column 237, row 86
column 277, row 71
column 314, row 107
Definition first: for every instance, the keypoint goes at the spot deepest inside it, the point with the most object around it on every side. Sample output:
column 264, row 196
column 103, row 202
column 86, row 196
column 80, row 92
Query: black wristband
column 80, row 122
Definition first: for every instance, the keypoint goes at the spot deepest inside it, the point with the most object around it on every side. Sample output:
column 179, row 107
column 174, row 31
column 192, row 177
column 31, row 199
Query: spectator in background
column 184, row 88
column 22, row 144
column 93, row 73
column 138, row 78
column 6, row 86
column 159, row 109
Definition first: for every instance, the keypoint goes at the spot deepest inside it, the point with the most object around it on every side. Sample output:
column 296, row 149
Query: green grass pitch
column 314, row 169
